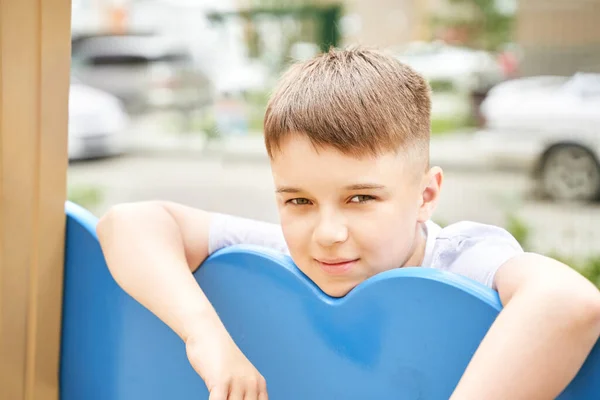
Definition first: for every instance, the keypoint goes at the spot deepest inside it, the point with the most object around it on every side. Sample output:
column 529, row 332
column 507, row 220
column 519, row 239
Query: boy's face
column 346, row 219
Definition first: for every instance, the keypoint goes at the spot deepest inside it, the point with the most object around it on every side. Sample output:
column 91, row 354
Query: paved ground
column 245, row 188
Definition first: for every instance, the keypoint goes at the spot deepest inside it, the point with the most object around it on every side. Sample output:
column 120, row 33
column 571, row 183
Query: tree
column 488, row 27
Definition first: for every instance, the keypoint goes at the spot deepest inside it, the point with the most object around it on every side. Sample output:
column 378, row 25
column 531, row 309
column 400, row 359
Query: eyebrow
column 364, row 186
column 356, row 186
column 286, row 189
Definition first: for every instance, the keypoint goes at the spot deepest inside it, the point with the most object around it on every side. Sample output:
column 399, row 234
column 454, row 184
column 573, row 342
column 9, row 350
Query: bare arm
column 151, row 250
column 536, row 346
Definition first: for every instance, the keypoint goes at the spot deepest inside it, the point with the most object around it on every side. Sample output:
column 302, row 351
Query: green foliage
column 441, row 222
column 519, row 229
column 489, row 29
column 442, row 125
column 589, row 267
column 85, row 196
column 591, row 270
column 442, row 86
column 257, row 105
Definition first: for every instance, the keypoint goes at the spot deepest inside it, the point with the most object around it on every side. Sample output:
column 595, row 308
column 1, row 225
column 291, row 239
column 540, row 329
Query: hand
column 226, row 371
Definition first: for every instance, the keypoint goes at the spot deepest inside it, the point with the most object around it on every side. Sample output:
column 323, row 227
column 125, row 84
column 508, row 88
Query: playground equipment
column 403, row 334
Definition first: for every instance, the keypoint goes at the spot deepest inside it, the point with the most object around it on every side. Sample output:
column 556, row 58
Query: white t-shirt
column 470, row 249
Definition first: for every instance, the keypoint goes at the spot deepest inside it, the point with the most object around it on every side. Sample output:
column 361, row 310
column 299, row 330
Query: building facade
column 558, row 36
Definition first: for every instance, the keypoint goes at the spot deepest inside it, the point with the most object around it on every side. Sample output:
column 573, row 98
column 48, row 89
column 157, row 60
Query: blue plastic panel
column 403, row 334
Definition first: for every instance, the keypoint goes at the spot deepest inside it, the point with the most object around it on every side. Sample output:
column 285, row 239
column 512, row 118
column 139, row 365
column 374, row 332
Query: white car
column 97, row 123
column 550, row 125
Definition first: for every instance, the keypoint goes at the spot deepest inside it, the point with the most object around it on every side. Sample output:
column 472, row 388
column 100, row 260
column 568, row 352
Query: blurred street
column 174, row 93
column 244, row 187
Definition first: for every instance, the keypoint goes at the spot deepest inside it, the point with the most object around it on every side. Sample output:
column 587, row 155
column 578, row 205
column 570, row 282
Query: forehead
column 299, row 162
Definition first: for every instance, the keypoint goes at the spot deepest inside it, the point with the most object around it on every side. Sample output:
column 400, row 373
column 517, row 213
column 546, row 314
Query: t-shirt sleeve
column 229, row 230
column 474, row 250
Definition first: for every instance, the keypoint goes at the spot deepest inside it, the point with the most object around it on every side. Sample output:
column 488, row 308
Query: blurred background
column 168, row 96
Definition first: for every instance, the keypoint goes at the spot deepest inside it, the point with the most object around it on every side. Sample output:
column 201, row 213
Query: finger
column 236, row 392
column 262, row 390
column 251, row 392
column 218, row 393
column 262, row 395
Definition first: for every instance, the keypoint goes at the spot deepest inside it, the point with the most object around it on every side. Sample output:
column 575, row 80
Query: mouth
column 337, row 266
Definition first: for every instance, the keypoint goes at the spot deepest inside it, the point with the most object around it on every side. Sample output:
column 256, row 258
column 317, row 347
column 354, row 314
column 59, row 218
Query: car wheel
column 571, row 172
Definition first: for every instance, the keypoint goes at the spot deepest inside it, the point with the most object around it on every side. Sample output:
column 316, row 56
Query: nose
column 330, row 231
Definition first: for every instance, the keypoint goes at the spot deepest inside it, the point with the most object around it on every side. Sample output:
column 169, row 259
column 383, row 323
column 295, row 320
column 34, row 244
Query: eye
column 300, row 201
column 361, row 198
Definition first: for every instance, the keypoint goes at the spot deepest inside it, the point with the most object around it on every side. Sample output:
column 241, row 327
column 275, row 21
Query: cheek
column 297, row 233
column 386, row 237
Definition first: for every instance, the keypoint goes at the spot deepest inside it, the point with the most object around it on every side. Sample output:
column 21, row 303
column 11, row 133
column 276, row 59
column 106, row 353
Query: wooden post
column 34, row 88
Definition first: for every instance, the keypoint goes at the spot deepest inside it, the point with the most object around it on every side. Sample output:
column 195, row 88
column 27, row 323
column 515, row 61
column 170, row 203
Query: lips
column 337, row 266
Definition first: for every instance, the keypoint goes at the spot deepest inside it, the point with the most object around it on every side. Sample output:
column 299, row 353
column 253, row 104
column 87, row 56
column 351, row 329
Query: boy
column 347, row 134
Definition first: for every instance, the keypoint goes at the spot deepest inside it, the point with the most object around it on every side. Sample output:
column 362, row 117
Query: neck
column 418, row 250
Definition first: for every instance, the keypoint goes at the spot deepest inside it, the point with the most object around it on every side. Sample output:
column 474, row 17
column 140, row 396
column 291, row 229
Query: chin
column 337, row 289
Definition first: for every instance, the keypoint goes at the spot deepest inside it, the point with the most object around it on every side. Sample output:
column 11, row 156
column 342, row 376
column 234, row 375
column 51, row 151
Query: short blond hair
column 359, row 101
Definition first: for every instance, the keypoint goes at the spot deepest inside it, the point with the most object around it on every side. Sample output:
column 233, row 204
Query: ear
column 430, row 193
